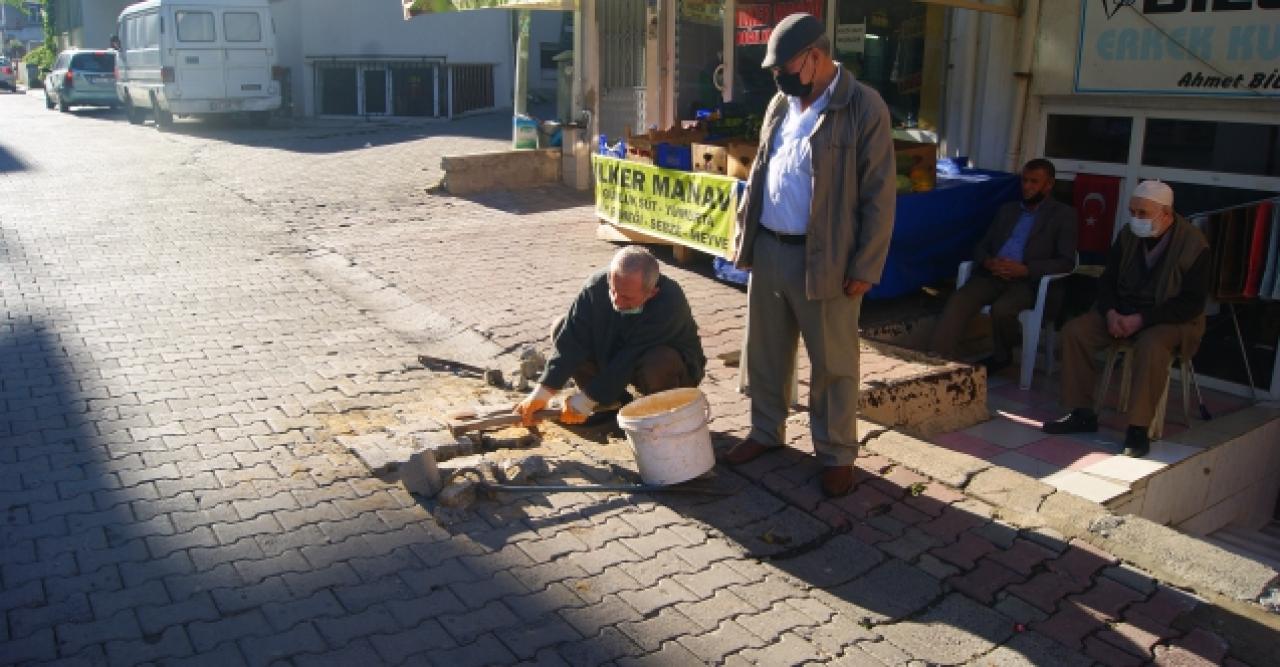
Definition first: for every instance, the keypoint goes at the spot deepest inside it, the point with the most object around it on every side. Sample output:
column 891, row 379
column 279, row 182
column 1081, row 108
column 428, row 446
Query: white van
column 197, row 57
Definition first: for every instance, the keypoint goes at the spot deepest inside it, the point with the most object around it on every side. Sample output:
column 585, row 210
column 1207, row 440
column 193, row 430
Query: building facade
column 87, row 24
column 21, row 28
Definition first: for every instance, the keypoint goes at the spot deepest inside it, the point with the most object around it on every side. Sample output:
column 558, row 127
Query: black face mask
column 1034, row 200
column 789, row 84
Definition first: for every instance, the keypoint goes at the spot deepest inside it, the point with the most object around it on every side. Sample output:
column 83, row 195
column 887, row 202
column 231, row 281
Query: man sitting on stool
column 1151, row 294
column 628, row 325
column 1027, row 240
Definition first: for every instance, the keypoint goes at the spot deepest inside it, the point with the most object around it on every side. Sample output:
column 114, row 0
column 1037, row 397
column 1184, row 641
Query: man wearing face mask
column 1152, row 293
column 814, row 227
column 628, row 325
column 1027, row 241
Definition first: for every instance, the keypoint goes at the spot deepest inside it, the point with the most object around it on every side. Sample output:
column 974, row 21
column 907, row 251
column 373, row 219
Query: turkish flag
column 1096, row 200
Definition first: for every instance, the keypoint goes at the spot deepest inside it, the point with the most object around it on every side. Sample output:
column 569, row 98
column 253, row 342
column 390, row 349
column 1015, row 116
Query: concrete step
column 1260, row 545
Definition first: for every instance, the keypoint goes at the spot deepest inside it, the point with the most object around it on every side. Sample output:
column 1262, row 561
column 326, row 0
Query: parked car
column 82, row 77
column 8, row 75
column 197, row 58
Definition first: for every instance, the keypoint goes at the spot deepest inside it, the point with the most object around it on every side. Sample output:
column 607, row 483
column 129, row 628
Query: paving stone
column 340, row 631
column 102, row 580
column 1131, row 577
column 1031, row 649
column 1022, row 557
column 891, row 591
column 1107, row 598
column 37, row 646
column 1109, row 655
column 249, row 596
column 171, row 643
column 1164, row 607
column 670, row 653
column 713, row 646
column 207, row 635
column 1019, row 610
column 1081, row 561
column 301, row 639
column 1139, row 638
column 465, row 627
column 108, row 604
column 1070, row 625
column 954, row 631
column 411, row 612
column 664, row 593
column 984, row 582
column 525, row 641
column 199, row 607
column 27, row 621
column 396, row 647
column 357, row 597
column 839, row 561
column 1046, row 590
column 1176, row 656
column 965, row 551
column 909, row 547
column 359, row 652
column 789, row 649
column 610, row 645
column 1204, row 644
column 589, row 621
column 72, row 637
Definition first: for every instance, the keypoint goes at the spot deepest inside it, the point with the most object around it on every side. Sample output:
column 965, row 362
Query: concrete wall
column 980, row 87
column 310, row 28
column 545, row 28
column 100, row 22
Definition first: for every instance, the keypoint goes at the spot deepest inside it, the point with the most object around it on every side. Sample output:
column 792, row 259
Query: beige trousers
column 1006, row 298
column 1153, row 348
column 779, row 313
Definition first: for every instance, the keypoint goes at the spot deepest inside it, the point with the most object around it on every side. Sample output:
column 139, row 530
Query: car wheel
column 63, row 106
column 48, row 101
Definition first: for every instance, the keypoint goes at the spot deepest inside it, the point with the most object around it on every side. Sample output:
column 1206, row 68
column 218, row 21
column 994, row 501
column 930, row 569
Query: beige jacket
column 854, row 190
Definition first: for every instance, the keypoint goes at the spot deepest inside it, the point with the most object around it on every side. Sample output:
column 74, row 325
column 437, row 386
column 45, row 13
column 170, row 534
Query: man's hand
column 535, row 401
column 1113, row 324
column 576, row 409
column 1006, row 269
column 856, row 288
column 1131, row 324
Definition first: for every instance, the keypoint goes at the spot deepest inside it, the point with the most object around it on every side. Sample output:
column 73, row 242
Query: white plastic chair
column 1032, row 322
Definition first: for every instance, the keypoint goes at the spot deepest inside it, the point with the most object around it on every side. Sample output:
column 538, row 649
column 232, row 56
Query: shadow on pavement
column 902, row 568
column 10, row 163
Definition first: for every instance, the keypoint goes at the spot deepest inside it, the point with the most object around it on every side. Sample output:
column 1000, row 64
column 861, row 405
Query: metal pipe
column 1022, row 88
column 617, row 488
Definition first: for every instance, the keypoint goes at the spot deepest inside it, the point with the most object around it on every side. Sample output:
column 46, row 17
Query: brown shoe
column 743, row 452
column 837, row 480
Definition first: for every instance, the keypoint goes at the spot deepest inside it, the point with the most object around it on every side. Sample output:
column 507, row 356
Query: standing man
column 1027, row 241
column 814, row 227
column 628, row 325
column 1152, row 294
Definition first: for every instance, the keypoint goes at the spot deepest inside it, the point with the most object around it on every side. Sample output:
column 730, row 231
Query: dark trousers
column 1006, row 298
column 660, row 368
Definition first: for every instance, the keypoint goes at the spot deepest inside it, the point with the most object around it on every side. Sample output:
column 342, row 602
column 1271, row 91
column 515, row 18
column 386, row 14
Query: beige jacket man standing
column 814, row 227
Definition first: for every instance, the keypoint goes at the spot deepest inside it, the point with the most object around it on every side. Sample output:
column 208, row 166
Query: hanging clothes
column 1257, row 251
column 1270, row 288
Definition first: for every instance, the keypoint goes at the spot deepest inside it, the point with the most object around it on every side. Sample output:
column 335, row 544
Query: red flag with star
column 1096, row 200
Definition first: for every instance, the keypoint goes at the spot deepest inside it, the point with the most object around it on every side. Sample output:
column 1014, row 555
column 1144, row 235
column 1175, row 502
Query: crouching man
column 628, row 326
column 1152, row 294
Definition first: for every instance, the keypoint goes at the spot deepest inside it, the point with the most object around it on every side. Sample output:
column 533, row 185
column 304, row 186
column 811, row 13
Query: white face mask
column 1142, row 227
column 630, row 311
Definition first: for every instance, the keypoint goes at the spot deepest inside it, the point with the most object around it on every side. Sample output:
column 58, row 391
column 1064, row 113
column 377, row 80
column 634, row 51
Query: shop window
column 699, row 53
column 375, row 91
column 1088, row 138
column 753, row 23
column 338, row 88
column 1234, row 148
column 896, row 48
column 413, row 91
column 195, row 26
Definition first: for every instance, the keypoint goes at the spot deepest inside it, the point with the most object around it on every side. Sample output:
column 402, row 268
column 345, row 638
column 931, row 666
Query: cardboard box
column 917, row 165
column 729, row 158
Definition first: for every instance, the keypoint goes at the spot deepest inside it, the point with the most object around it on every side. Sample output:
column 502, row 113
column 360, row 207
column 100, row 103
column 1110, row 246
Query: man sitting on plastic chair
column 1152, row 294
column 1027, row 241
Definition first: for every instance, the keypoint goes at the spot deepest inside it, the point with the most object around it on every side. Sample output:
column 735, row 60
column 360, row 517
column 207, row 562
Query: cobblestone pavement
column 198, row 324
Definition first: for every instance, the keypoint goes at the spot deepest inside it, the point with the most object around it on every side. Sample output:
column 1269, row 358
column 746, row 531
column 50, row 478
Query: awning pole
column 522, row 63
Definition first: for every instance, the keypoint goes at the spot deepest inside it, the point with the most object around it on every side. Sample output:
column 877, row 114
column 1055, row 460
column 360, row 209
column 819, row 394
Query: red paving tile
column 1065, row 452
column 969, row 444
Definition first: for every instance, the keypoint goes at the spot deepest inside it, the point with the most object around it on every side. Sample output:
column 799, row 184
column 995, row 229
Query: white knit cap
column 1156, row 191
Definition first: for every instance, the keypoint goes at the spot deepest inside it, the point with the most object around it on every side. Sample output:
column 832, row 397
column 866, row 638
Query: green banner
column 689, row 208
column 415, row 7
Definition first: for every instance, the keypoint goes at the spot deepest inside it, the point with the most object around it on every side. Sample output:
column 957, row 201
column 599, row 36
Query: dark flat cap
column 791, row 36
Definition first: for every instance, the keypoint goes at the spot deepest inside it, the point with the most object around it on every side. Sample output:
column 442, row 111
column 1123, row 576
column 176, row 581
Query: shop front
column 1124, row 92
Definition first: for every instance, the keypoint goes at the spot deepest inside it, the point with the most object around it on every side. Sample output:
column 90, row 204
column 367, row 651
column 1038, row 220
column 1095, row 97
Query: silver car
column 82, row 77
column 8, row 75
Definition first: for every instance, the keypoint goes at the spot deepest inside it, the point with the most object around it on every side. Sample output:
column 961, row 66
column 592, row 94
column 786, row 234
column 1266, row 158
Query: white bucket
column 669, row 436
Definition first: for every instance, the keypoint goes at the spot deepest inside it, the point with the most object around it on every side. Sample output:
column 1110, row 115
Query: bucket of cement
column 669, row 436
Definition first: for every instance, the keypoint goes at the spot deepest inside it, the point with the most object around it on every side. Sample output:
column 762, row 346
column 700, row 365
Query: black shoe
column 1136, row 442
column 995, row 365
column 1081, row 420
